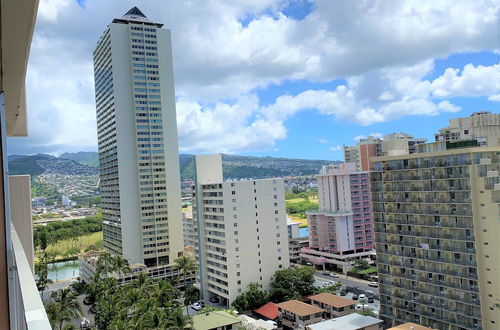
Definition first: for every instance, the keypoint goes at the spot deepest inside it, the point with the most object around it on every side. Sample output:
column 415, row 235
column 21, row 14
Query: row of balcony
column 437, row 268
column 442, row 307
column 411, row 275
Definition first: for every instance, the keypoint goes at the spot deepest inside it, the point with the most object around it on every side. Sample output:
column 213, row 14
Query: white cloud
column 359, row 137
column 49, row 9
column 495, row 98
column 472, row 81
column 220, row 62
column 336, row 148
column 322, row 141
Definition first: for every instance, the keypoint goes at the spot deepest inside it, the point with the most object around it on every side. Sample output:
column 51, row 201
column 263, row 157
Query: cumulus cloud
column 336, row 148
column 225, row 52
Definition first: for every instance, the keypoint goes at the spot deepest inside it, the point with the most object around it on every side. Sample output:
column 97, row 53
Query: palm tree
column 43, row 281
column 121, row 265
column 105, row 264
column 63, row 307
column 185, row 265
column 177, row 320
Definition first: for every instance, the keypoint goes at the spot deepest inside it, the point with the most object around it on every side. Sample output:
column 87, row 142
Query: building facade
column 483, row 127
column 137, row 141
column 437, row 222
column 242, row 230
column 342, row 227
column 390, row 145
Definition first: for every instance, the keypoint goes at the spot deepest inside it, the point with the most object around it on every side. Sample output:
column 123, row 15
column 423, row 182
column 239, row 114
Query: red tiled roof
column 269, row 310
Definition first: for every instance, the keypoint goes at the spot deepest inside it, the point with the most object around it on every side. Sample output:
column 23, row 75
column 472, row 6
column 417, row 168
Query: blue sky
column 275, row 77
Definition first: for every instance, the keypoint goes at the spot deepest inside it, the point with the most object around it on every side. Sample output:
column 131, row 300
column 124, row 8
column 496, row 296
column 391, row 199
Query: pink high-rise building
column 342, row 228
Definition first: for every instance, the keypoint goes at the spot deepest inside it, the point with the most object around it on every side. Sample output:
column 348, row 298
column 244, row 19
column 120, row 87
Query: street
column 348, row 281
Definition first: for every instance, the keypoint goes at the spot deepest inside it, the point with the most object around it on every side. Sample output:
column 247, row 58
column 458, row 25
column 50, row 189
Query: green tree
column 292, row 283
column 43, row 240
column 63, row 308
column 360, row 264
column 43, row 281
column 186, row 266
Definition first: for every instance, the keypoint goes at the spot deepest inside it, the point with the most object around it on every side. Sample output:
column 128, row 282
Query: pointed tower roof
column 135, row 12
column 135, row 15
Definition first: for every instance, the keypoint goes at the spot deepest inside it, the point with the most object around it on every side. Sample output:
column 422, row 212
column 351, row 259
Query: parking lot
column 375, row 306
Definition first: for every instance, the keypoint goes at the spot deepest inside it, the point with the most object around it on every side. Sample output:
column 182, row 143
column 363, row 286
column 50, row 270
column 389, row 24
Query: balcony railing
column 27, row 309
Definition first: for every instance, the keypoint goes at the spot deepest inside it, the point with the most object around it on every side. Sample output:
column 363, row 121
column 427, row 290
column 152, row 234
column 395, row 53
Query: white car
column 196, row 306
column 362, row 296
column 329, row 283
column 334, row 275
column 373, row 284
column 362, row 306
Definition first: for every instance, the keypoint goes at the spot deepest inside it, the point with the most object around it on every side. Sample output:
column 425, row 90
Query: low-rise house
column 333, row 305
column 269, row 311
column 348, row 322
column 217, row 320
column 295, row 314
column 409, row 326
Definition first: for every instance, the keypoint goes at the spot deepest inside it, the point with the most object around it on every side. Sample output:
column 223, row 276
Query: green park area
column 66, row 239
column 297, row 205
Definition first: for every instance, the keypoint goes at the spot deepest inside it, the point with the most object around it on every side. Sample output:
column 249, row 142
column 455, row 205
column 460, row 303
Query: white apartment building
column 137, row 140
column 242, row 230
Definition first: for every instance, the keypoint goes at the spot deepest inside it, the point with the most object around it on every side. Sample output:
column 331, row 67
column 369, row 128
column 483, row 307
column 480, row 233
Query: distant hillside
column 89, row 158
column 240, row 167
column 21, row 164
column 235, row 167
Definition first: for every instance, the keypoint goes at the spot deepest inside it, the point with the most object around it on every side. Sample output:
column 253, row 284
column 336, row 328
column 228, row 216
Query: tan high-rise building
column 242, row 231
column 137, row 140
column 390, row 145
column 437, row 231
column 482, row 127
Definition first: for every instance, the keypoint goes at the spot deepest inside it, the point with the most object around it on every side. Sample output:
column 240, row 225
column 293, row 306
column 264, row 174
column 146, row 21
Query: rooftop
column 269, row 310
column 409, row 326
column 213, row 320
column 299, row 308
column 348, row 322
column 332, row 300
column 137, row 16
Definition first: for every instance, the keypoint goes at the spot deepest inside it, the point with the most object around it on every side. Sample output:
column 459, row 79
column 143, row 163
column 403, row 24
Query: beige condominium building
column 437, row 230
column 137, row 140
column 391, row 144
column 482, row 127
column 242, row 230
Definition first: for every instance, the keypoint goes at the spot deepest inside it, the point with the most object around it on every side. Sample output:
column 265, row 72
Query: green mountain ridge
column 234, row 166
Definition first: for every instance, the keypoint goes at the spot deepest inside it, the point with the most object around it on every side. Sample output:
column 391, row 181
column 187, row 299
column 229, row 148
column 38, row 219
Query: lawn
column 296, row 218
column 81, row 243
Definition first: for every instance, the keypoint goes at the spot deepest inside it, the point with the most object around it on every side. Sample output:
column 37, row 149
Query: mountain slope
column 89, row 158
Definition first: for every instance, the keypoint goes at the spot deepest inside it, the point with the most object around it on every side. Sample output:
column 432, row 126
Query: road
column 348, row 281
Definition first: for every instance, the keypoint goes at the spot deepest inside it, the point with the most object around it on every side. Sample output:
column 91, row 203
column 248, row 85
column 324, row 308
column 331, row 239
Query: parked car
column 355, row 296
column 326, row 273
column 196, row 306
column 362, row 306
column 214, row 300
column 201, row 303
column 343, row 292
column 334, row 275
column 371, row 296
column 373, row 284
column 362, row 296
column 328, row 283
